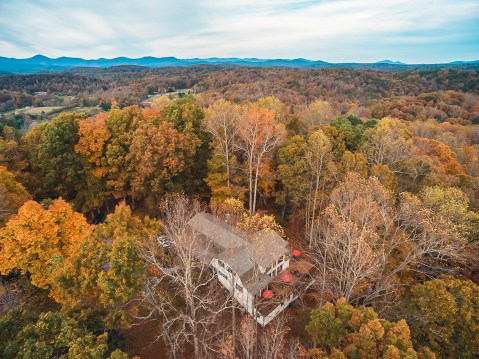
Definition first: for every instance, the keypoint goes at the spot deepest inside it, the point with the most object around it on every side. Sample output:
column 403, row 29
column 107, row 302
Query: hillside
column 40, row 63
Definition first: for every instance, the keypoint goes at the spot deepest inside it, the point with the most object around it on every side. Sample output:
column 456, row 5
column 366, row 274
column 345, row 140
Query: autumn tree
column 281, row 111
column 317, row 155
column 123, row 270
column 353, row 162
column 470, row 159
column 13, row 155
column 384, row 174
column 389, row 143
column 158, row 154
column 139, row 153
column 443, row 162
column 121, row 125
column 24, row 334
column 444, row 315
column 259, row 135
column 230, row 210
column 91, row 146
column 364, row 240
column 51, row 150
column 352, row 130
column 39, row 241
column 62, row 254
column 12, row 194
column 317, row 113
column 453, row 205
column 259, row 222
column 273, row 342
column 291, row 171
column 186, row 116
column 303, row 171
column 342, row 331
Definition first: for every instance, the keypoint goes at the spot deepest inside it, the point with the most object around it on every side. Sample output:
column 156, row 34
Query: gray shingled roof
column 238, row 259
column 216, row 230
column 262, row 248
column 266, row 247
column 257, row 283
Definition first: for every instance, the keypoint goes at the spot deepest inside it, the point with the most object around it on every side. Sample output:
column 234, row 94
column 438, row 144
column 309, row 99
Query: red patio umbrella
column 296, row 253
column 267, row 294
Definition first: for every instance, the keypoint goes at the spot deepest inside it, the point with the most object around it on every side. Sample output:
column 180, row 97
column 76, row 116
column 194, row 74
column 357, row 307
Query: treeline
column 129, row 85
column 385, row 208
column 129, row 154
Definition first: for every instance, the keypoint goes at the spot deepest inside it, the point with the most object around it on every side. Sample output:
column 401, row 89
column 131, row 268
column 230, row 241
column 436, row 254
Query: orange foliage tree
column 42, row 242
column 158, row 153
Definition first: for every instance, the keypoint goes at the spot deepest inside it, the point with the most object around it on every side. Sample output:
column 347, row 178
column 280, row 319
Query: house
column 256, row 269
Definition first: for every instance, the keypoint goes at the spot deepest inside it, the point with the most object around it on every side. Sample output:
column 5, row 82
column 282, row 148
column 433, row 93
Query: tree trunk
column 227, row 156
column 255, row 187
column 251, row 186
column 132, row 202
column 233, row 319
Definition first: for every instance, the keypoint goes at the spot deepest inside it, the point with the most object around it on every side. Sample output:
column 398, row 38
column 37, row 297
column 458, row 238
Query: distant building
column 256, row 269
column 146, row 103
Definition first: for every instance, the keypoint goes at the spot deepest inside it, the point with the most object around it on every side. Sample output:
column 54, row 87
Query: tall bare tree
column 181, row 290
column 317, row 113
column 272, row 342
column 317, row 154
column 221, row 121
column 365, row 239
column 258, row 136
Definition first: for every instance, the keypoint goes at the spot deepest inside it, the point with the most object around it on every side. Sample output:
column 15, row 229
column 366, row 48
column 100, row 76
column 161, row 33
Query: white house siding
column 265, row 320
column 243, row 297
column 280, row 265
column 246, row 299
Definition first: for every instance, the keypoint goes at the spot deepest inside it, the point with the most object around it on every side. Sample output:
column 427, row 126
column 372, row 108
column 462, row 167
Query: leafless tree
column 317, row 113
column 318, row 153
column 222, row 122
column 181, row 291
column 365, row 239
column 272, row 342
column 9, row 296
column 247, row 337
column 294, row 349
column 258, row 136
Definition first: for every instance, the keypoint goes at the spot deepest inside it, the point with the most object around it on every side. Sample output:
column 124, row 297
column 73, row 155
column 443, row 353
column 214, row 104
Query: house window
column 223, row 275
column 239, row 288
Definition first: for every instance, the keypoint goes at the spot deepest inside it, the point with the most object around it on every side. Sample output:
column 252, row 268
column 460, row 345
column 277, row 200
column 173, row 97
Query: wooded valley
column 370, row 177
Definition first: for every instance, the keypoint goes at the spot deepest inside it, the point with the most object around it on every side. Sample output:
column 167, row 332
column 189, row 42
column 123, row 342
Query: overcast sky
column 413, row 31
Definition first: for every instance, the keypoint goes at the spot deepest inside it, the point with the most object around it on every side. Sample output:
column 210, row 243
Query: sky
column 411, row 31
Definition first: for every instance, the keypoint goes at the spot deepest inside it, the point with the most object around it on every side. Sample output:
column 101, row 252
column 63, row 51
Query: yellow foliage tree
column 41, row 242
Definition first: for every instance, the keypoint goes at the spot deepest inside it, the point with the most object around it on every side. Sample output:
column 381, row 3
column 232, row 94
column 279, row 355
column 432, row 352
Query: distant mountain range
column 40, row 63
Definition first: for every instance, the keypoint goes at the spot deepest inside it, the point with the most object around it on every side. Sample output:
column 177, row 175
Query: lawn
column 38, row 110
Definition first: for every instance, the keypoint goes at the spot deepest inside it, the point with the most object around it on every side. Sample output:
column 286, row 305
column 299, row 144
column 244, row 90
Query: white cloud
column 341, row 30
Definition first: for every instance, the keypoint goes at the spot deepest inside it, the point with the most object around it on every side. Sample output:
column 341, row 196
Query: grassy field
column 168, row 95
column 35, row 111
column 38, row 110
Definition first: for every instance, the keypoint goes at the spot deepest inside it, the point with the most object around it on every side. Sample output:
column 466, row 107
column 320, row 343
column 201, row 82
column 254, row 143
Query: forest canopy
column 373, row 177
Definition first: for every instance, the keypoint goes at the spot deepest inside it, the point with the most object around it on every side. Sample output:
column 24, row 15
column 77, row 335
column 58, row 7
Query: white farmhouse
column 256, row 269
